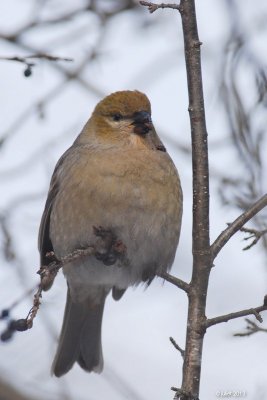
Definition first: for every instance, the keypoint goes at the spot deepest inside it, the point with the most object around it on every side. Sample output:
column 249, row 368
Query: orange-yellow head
column 121, row 118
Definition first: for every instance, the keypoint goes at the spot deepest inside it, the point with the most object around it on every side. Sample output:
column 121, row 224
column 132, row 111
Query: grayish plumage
column 125, row 182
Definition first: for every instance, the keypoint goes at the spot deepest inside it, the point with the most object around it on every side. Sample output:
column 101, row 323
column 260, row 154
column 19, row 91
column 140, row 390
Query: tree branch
column 251, row 328
column 49, row 272
column 175, row 281
column 235, row 226
column 201, row 242
column 152, row 7
column 29, row 64
column 43, row 56
column 176, row 346
column 254, row 233
column 227, row 317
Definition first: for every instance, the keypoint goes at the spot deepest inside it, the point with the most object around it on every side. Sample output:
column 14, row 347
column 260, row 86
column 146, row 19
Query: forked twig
column 251, row 328
column 253, row 233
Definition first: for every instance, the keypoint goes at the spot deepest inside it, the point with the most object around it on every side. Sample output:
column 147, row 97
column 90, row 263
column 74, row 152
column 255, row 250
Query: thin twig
column 7, row 245
column 44, row 56
column 251, row 328
column 152, row 7
column 36, row 305
column 227, row 317
column 48, row 274
column 176, row 346
column 183, row 394
column 175, row 281
column 235, row 226
column 254, row 233
column 29, row 64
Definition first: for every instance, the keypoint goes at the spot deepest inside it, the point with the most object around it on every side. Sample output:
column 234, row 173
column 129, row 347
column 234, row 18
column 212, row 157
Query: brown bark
column 202, row 262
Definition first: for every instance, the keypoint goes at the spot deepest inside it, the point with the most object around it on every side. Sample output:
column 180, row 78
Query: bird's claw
column 108, row 248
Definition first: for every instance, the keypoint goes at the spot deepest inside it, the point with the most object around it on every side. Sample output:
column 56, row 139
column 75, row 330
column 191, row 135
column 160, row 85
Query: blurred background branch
column 251, row 328
column 245, row 115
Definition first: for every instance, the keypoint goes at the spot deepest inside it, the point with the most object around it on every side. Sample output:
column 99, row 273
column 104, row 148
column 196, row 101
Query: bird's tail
column 80, row 337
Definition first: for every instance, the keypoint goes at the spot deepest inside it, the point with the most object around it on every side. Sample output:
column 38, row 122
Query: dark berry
column 6, row 335
column 20, row 325
column 27, row 71
column 4, row 313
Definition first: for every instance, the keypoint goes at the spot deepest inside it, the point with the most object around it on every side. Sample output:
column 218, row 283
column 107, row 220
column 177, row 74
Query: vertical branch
column 201, row 242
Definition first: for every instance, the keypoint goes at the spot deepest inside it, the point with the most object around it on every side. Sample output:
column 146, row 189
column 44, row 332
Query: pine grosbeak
column 115, row 185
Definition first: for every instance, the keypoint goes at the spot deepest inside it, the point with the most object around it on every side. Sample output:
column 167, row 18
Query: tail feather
column 90, row 356
column 80, row 338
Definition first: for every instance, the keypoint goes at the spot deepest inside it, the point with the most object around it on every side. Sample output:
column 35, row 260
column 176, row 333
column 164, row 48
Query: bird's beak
column 142, row 122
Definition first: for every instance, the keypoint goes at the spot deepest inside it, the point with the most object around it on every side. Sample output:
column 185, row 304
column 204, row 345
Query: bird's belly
column 150, row 247
column 144, row 214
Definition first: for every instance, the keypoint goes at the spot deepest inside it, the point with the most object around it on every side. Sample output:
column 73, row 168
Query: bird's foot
column 108, row 248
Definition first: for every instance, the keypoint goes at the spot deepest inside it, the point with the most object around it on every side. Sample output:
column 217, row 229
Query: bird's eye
column 116, row 117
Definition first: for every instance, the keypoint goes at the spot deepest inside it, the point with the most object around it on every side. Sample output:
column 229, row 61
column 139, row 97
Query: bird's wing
column 44, row 242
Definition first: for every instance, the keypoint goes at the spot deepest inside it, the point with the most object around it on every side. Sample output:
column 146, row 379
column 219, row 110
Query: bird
column 117, row 190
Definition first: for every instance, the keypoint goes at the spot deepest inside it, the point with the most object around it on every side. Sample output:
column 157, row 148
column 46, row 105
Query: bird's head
column 122, row 117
